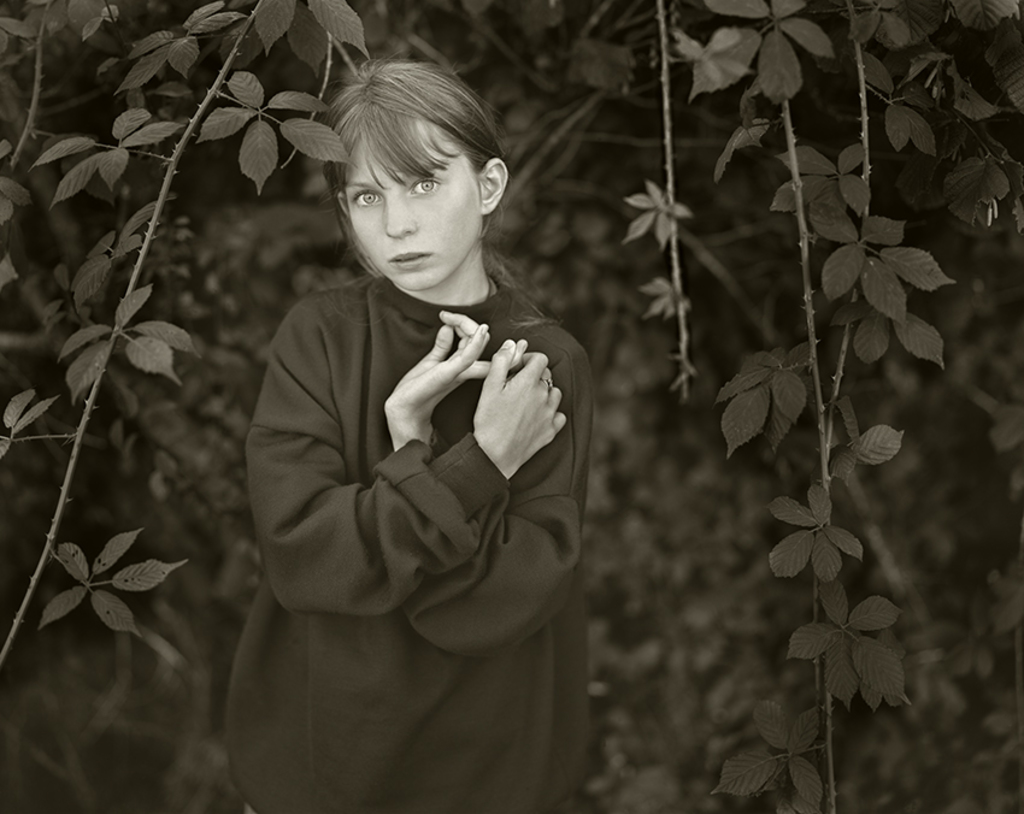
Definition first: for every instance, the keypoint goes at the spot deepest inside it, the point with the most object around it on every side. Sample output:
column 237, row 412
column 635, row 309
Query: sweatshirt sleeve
column 522, row 571
column 331, row 544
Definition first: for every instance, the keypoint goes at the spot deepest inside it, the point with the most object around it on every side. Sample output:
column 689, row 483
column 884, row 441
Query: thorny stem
column 812, row 341
column 1018, row 649
column 33, row 107
column 686, row 369
column 136, row 272
column 328, row 64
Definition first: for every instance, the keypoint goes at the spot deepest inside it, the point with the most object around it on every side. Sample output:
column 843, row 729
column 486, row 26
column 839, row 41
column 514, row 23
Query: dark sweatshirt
column 418, row 642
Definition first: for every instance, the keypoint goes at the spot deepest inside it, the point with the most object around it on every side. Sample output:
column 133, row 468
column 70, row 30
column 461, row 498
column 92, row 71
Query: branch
column 37, row 84
column 1018, row 652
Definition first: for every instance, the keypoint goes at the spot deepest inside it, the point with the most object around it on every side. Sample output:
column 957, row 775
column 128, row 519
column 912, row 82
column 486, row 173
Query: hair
column 382, row 104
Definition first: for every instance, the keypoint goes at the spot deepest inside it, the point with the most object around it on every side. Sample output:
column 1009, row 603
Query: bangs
column 399, row 145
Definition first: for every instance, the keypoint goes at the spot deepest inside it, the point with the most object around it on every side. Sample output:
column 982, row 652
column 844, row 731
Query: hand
column 410, row 406
column 465, row 327
column 517, row 416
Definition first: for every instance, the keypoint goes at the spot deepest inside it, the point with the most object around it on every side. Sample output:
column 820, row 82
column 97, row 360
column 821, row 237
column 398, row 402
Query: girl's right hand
column 516, row 416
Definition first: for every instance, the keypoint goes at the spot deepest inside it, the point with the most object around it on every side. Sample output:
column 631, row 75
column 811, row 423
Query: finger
column 559, row 421
column 534, row 365
column 442, row 344
column 500, row 363
column 465, row 326
column 517, row 356
column 555, row 397
column 477, row 370
column 469, row 353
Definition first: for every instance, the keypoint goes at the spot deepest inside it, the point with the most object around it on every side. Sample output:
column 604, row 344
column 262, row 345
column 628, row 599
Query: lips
column 409, row 257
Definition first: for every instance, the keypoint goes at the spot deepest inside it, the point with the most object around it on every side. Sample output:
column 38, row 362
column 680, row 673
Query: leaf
column 984, row 14
column 784, row 8
column 640, row 225
column 809, row 162
column 806, row 779
column 741, row 137
column 224, row 122
column 820, row 503
column 916, row 266
column 215, row 22
column 883, row 290
column 778, row 69
column 746, row 774
column 785, row 198
column 65, row 147
column 770, row 720
column 76, row 179
column 875, row 72
column 886, row 231
column 834, row 601
column 340, row 21
column 62, row 604
column 89, row 279
column 903, row 123
column 751, row 9
column 842, row 269
column 86, row 368
column 150, row 43
column 14, row 191
column 880, row 667
column 306, row 38
column 744, row 417
column 247, row 88
column 855, row 192
column 130, row 305
column 16, row 406
column 145, row 69
column 793, row 512
column 921, row 339
column 600, row 64
column 113, row 612
column 840, row 675
column 183, row 54
column 872, row 338
column 968, row 101
column 874, row 613
column 295, row 100
column 725, row 60
column 130, row 121
column 272, row 20
column 5, row 446
column 841, row 538
column 788, row 394
column 314, row 139
column 152, row 134
column 1006, row 57
column 1008, row 427
column 35, row 412
column 134, row 222
column 112, row 164
column 8, row 273
column 832, row 223
column 825, row 558
column 203, row 12
column 804, row 731
column 152, row 355
column 851, row 157
column 71, row 557
column 878, row 444
column 743, row 380
column 143, row 576
column 18, row 28
column 258, row 156
column 974, row 181
column 778, row 426
column 177, row 338
column 810, row 641
column 849, row 417
column 789, row 557
column 113, row 551
column 809, row 35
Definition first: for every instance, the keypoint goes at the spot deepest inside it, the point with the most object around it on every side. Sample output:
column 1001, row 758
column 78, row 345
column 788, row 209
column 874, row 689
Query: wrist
column 405, row 428
column 492, row 451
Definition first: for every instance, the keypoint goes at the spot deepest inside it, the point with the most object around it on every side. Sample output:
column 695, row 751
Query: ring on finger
column 547, row 380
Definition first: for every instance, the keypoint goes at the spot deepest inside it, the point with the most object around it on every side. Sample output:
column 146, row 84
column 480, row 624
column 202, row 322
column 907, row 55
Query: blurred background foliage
column 688, row 627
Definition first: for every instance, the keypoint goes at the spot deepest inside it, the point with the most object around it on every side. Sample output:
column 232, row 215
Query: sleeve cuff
column 470, row 474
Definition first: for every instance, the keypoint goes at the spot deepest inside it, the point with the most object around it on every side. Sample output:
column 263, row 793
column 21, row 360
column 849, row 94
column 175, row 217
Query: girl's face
column 423, row 234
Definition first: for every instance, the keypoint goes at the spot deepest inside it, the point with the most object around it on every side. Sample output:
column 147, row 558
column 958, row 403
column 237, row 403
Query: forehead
column 417, row 149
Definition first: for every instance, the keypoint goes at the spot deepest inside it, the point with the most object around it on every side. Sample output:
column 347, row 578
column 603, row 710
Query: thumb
column 500, row 364
column 442, row 344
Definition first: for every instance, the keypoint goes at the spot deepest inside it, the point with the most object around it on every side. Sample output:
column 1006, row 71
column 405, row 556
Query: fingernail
column 508, row 344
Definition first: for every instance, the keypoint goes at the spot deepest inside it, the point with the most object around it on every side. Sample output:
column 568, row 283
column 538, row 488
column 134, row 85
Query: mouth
column 409, row 257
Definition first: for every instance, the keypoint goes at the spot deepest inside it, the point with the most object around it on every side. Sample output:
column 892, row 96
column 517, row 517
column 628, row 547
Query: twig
column 37, row 84
column 683, row 305
column 1018, row 652
column 328, row 63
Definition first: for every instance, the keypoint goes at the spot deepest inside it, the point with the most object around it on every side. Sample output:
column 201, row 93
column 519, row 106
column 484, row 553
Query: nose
column 399, row 219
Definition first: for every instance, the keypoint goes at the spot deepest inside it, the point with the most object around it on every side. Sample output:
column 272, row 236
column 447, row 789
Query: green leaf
column 894, row 32
column 809, row 161
column 882, row 230
column 18, row 28
column 809, row 35
column 306, row 37
column 974, row 181
column 851, row 312
column 273, row 17
column 83, row 337
column 806, row 779
column 744, row 380
column 202, row 13
column 744, row 417
column 112, row 164
column 62, row 604
column 790, row 556
column 113, row 551
column 903, row 123
column 851, row 157
column 139, row 218
column 880, row 667
column 5, row 446
column 783, row 8
column 600, row 64
column 314, row 139
column 793, row 512
column 146, row 68
column 152, row 355
column 295, row 100
column 339, row 20
column 751, row 9
column 849, row 417
column 778, row 426
column 820, row 503
column 34, row 412
column 874, row 613
column 246, row 88
column 916, row 266
column 258, row 156
column 150, row 43
column 810, row 641
column 842, row 269
column 1006, row 57
column 113, row 612
column 8, row 273
column 725, row 60
column 89, row 279
column 640, row 225
column 875, row 72
column 804, row 731
column 183, row 55
column 1008, row 429
column 855, row 192
column 215, row 22
column 16, row 406
column 842, row 465
column 825, row 558
column 86, row 368
column 921, row 339
column 76, row 179
column 922, row 17
column 832, row 223
column 984, row 14
column 130, row 305
column 143, row 576
column 778, row 68
column 872, row 338
column 130, row 121
column 71, row 557
column 152, row 134
column 177, row 338
column 883, row 290
column 741, row 137
column 14, row 191
column 834, row 601
column 967, row 100
column 770, row 720
column 746, row 774
column 841, row 538
column 788, row 394
column 878, row 444
column 224, row 122
column 840, row 675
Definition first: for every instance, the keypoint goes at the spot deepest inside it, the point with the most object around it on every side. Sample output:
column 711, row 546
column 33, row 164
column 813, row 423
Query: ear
column 493, row 179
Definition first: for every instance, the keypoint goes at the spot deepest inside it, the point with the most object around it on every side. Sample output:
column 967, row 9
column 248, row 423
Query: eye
column 365, row 198
column 426, row 185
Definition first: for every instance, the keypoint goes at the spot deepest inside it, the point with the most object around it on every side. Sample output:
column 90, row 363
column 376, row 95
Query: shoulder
column 326, row 310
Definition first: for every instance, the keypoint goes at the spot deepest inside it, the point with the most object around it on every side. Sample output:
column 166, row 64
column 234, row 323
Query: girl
column 417, row 468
